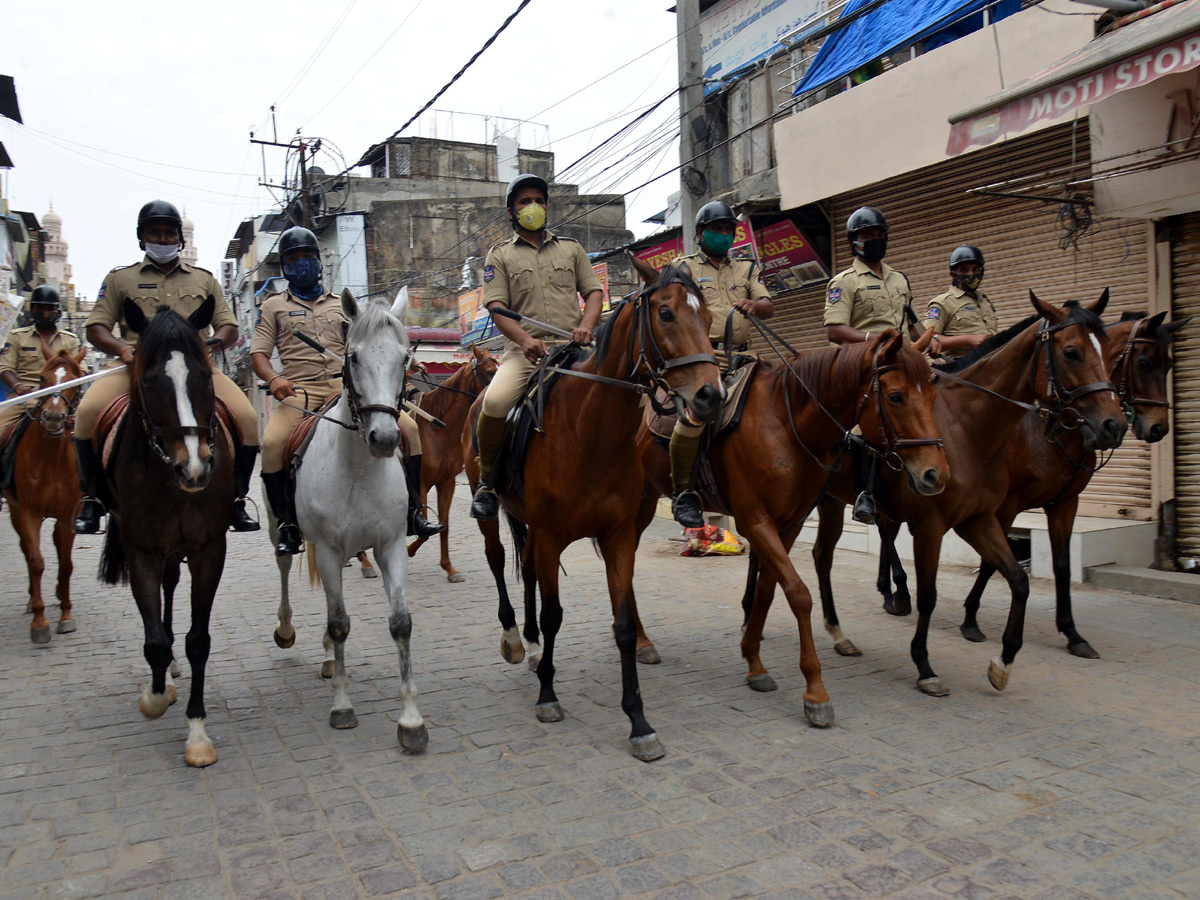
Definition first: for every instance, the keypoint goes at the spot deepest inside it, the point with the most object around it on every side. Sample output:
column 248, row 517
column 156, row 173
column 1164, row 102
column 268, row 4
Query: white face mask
column 162, row 253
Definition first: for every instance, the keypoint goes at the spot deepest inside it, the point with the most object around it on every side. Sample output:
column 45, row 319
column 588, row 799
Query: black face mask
column 47, row 319
column 873, row 250
column 969, row 283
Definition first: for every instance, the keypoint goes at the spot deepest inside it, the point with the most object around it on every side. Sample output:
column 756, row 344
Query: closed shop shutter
column 929, row 213
column 1185, row 301
column 797, row 320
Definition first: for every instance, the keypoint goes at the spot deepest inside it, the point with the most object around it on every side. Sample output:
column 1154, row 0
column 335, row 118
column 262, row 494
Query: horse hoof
column 534, row 657
column 327, row 668
column 343, row 718
column 40, row 635
column 998, row 674
column 903, row 604
column 413, row 740
column 200, row 754
column 174, row 668
column 846, row 647
column 972, row 633
column 933, row 687
column 896, row 609
column 647, row 747
column 66, row 626
column 172, row 695
column 549, row 712
column 511, row 648
column 761, row 683
column 1083, row 650
column 29, row 609
column 819, row 715
column 152, row 706
column 286, row 642
column 649, row 656
column 369, row 572
column 456, row 578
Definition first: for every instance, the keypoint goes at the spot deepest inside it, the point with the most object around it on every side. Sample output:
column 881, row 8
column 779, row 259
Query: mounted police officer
column 308, row 378
column 540, row 274
column 963, row 317
column 865, row 299
column 159, row 279
column 728, row 284
column 22, row 361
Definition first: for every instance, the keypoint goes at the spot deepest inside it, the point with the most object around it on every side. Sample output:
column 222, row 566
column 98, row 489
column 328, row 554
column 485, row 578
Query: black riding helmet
column 714, row 211
column 965, row 254
column 525, row 180
column 866, row 217
column 44, row 295
column 160, row 211
column 296, row 238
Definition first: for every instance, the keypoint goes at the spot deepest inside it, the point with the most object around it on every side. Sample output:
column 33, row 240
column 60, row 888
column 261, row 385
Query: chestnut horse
column 582, row 475
column 450, row 402
column 45, row 486
column 1051, row 361
column 772, row 468
column 171, row 480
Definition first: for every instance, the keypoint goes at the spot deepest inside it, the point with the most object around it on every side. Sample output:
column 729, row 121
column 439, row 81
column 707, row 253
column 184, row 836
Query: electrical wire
column 315, row 55
column 152, row 162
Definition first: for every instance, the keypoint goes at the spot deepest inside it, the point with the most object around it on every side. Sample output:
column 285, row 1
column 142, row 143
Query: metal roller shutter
column 929, row 213
column 1185, row 301
column 798, row 320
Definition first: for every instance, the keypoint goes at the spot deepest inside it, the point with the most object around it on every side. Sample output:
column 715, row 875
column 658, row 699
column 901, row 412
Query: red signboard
column 661, row 254
column 788, row 259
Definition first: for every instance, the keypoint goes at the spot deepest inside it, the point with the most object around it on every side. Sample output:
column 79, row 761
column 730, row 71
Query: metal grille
column 1185, row 301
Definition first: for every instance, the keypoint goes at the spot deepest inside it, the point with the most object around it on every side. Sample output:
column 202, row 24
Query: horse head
column 172, row 390
column 483, row 366
column 673, row 328
column 898, row 408
column 377, row 352
column 54, row 411
column 1073, row 380
column 1139, row 358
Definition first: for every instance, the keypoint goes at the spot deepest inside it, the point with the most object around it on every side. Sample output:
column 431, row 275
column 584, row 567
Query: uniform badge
column 6, row 346
column 259, row 319
column 835, row 294
column 934, row 313
column 489, row 272
column 703, row 280
column 970, row 309
column 100, row 295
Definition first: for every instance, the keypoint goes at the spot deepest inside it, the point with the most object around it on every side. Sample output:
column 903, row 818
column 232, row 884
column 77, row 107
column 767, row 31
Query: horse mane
column 667, row 275
column 371, row 318
column 833, row 373
column 167, row 331
column 1081, row 314
column 62, row 357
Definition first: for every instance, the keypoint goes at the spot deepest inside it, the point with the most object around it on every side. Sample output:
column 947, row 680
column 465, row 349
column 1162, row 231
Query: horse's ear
column 202, row 316
column 401, row 303
column 1177, row 324
column 647, row 272
column 81, row 355
column 1098, row 306
column 349, row 305
column 889, row 344
column 922, row 343
column 1156, row 321
column 478, row 355
column 1045, row 310
column 135, row 319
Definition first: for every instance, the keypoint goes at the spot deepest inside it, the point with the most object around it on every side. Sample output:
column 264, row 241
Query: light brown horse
column 47, row 487
column 1052, row 361
column 582, row 476
column 450, row 402
column 773, row 467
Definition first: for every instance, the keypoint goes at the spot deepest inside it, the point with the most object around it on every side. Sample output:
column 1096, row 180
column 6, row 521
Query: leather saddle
column 111, row 423
column 301, row 434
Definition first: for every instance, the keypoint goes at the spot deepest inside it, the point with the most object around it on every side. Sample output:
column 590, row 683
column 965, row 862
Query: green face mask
column 716, row 244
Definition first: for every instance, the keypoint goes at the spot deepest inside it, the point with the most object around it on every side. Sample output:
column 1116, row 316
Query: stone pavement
column 1082, row 780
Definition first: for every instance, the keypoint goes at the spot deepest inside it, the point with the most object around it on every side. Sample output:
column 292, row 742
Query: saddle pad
column 300, row 435
column 736, row 384
column 111, row 422
column 14, row 431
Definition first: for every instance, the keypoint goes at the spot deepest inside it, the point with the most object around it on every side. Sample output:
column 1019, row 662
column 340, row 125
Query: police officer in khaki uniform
column 539, row 274
column 160, row 279
column 728, row 285
column 24, row 357
column 865, row 299
column 963, row 317
column 308, row 378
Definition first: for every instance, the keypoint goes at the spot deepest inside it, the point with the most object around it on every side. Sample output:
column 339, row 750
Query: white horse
column 351, row 495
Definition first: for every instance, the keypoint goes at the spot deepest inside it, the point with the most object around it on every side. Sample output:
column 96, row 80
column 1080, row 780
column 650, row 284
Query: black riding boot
column 90, row 473
column 864, row 472
column 281, row 494
column 8, row 465
column 418, row 525
column 243, row 470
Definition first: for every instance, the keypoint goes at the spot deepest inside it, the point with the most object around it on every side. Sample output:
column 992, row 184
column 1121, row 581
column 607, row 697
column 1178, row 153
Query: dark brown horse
column 582, row 475
column 171, row 480
column 1052, row 361
column 772, row 468
column 450, row 402
column 45, row 486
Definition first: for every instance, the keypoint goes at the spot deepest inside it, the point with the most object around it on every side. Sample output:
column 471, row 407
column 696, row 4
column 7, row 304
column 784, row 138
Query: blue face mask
column 304, row 277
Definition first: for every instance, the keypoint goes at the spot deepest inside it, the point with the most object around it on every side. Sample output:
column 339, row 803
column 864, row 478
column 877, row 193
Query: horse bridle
column 1063, row 399
column 656, row 364
column 156, row 433
column 1122, row 370
column 356, row 408
column 38, row 412
column 889, row 437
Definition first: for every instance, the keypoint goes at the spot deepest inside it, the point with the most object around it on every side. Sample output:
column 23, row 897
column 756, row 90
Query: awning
column 894, row 25
column 8, row 99
column 5, row 160
column 1130, row 57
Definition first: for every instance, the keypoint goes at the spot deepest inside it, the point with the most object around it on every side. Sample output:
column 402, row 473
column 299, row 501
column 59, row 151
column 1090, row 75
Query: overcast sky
column 128, row 102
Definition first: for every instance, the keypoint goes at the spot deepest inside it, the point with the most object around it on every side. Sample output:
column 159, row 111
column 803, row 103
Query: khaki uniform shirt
column 22, row 355
column 722, row 284
column 861, row 299
column 182, row 289
column 958, row 312
column 321, row 319
column 543, row 282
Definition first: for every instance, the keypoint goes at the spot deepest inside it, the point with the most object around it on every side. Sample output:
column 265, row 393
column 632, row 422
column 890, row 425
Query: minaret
column 58, row 270
column 188, row 254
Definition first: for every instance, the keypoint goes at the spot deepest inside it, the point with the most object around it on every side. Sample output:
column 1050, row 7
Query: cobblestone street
column 1082, row 780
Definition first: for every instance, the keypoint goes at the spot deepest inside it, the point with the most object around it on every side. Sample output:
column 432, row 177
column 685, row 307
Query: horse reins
column 1125, row 360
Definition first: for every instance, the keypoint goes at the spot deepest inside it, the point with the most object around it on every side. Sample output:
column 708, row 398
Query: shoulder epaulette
column 119, row 268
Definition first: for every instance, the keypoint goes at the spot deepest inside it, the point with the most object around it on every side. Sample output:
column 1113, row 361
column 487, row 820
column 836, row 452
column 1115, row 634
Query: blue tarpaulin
column 896, row 24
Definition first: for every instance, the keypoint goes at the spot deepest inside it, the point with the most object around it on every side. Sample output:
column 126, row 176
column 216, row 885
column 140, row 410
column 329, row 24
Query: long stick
column 519, row 317
column 58, row 388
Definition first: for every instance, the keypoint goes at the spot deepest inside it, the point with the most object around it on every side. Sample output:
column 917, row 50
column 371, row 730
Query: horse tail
column 314, row 574
column 520, row 535
column 113, row 565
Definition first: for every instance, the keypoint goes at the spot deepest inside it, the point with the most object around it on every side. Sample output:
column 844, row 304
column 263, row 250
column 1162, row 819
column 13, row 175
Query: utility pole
column 691, row 96
column 304, row 188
